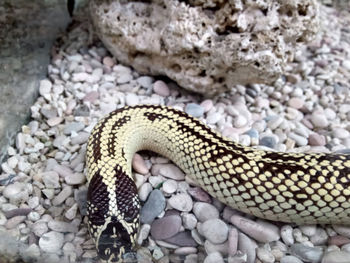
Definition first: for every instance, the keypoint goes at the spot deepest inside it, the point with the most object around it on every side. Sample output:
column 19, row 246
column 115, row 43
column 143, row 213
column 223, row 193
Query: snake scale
column 288, row 187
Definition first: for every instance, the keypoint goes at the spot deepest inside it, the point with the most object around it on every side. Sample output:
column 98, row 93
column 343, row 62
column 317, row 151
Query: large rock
column 206, row 45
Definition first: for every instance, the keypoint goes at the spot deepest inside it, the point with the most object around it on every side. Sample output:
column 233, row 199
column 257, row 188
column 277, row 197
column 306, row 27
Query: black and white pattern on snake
column 287, row 187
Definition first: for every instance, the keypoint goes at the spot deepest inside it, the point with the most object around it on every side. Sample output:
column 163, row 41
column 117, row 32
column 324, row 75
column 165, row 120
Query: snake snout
column 114, row 242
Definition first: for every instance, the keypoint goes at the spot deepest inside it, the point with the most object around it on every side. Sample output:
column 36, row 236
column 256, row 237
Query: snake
column 301, row 188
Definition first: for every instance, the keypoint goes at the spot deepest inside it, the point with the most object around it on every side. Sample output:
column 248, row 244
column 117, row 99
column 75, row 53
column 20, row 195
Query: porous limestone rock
column 206, row 46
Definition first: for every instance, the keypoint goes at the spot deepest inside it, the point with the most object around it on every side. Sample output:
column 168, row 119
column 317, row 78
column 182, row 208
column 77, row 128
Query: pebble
column 161, row 88
column 268, row 141
column 207, row 105
column 319, row 120
column 168, row 170
column 51, row 242
column 75, row 179
column 185, row 250
column 39, row 228
column 232, row 241
column 336, row 257
column 51, row 179
column 290, row 259
column 17, row 212
column 60, row 226
column 189, row 221
column 92, row 96
column 296, row 103
column 144, row 191
column 194, row 110
column 166, row 227
column 247, row 246
column 308, row 230
column 72, row 212
column 338, row 240
column 169, row 186
column 154, row 205
column 73, row 127
column 45, row 87
column 14, row 221
column 132, row 99
column 342, row 230
column 145, row 81
column 305, row 253
column 264, row 255
column 3, row 218
column 183, row 239
column 182, row 202
column 204, row 211
column 62, row 170
column 316, row 139
column 214, row 257
column 287, row 235
column 199, row 194
column 143, row 233
column 139, row 164
column 215, row 230
column 260, row 230
column 62, row 196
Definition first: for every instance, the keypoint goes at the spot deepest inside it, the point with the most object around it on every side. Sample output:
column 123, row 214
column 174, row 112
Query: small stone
column 73, row 127
column 260, row 230
column 17, row 212
column 205, row 211
column 31, row 253
column 287, row 235
column 62, row 170
column 213, row 117
column 207, row 105
column 168, row 170
column 54, row 121
column 320, row 238
column 338, row 240
column 51, row 242
column 144, row 191
column 182, row 202
column 14, row 221
column 290, row 259
column 62, row 196
column 316, row 139
column 51, row 179
column 319, row 120
column 296, row 103
column 166, row 227
column 108, row 61
column 268, row 141
column 80, row 196
column 131, row 99
column 215, row 230
column 305, row 253
column 139, row 164
column 169, row 186
column 211, row 247
column 189, row 221
column 33, row 216
column 308, row 230
column 75, row 179
column 60, row 226
column 39, row 228
column 214, row 257
column 183, row 239
column 232, row 241
column 16, row 192
column 194, row 110
column 300, row 140
column 342, row 230
column 199, row 194
column 264, row 255
column 336, row 257
column 143, row 233
column 161, row 88
column 45, row 87
column 154, row 205
column 185, row 251
column 145, row 81
column 341, row 133
column 247, row 246
column 71, row 212
column 92, row 96
column 3, row 218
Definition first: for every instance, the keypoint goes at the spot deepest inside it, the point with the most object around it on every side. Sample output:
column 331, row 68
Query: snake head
column 116, row 242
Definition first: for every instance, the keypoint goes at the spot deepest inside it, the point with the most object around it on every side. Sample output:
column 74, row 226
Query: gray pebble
column 305, row 253
column 73, row 127
column 290, row 259
column 51, row 179
column 183, row 239
column 166, row 227
column 154, row 205
column 215, row 230
column 62, row 196
column 247, row 246
column 189, row 221
column 194, row 110
column 268, row 141
column 214, row 257
column 182, row 202
column 205, row 211
column 51, row 242
column 264, row 255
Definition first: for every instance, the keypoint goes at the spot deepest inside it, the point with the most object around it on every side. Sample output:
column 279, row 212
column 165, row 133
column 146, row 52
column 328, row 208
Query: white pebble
column 51, row 242
column 205, row 211
column 45, row 87
column 169, row 186
column 215, row 230
column 182, row 202
column 214, row 257
column 144, row 191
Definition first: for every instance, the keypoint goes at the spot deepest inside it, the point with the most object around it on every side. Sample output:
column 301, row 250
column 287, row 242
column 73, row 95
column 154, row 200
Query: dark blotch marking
column 98, row 200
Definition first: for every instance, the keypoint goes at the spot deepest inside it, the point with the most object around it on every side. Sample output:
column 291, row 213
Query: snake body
column 287, row 187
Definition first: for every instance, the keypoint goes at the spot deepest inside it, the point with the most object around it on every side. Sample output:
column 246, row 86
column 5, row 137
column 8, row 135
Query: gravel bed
column 43, row 187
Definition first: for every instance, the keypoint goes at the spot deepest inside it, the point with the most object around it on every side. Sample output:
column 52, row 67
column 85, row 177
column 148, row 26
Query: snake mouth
column 114, row 243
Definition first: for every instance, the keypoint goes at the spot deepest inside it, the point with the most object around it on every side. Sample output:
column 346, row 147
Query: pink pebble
column 139, row 165
column 161, row 88
column 296, row 103
column 207, row 105
column 338, row 240
column 91, row 96
column 316, row 139
column 108, row 61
